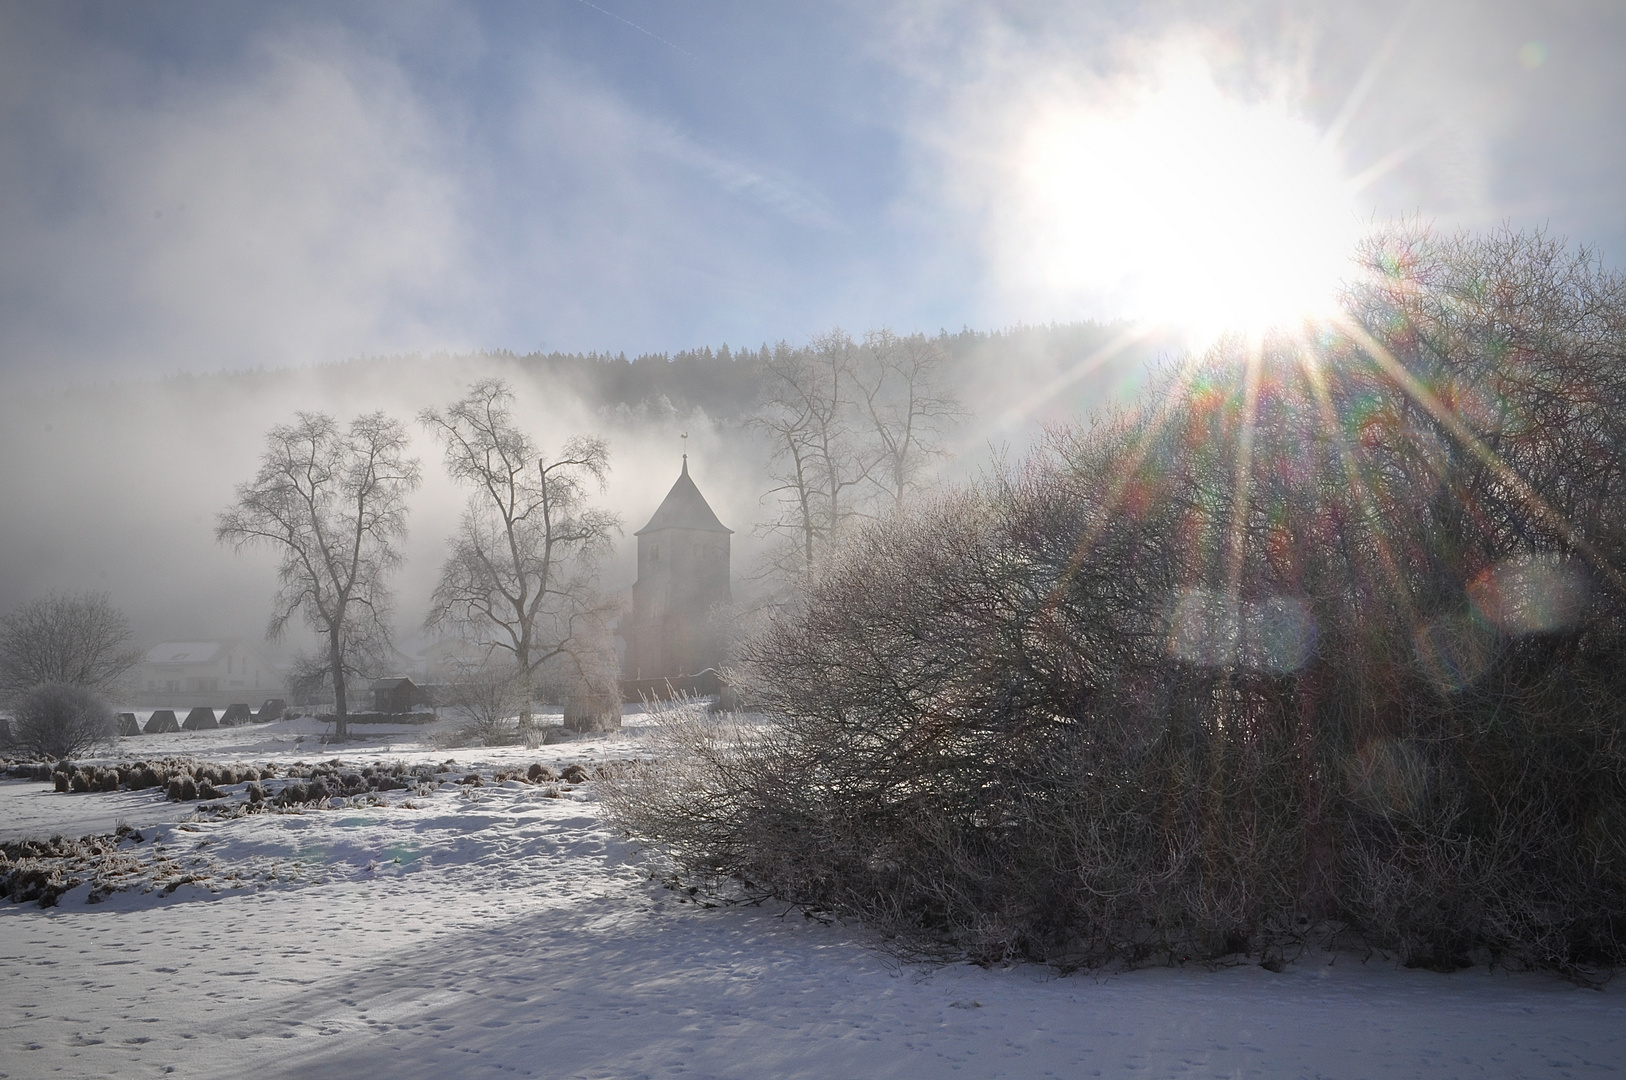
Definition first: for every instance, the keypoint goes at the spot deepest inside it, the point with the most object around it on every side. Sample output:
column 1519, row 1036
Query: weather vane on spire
column 685, row 438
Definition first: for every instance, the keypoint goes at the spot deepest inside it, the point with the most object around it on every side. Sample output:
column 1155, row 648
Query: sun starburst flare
column 1175, row 202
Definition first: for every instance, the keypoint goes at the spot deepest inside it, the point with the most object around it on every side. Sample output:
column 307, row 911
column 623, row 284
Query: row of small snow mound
column 202, row 718
column 41, row 870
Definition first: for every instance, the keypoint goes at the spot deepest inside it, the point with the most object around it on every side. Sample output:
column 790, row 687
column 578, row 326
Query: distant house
column 398, row 695
column 205, row 673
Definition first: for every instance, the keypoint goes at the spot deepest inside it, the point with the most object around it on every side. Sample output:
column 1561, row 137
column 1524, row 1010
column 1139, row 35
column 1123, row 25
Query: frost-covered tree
column 79, row 639
column 850, row 427
column 521, row 577
column 332, row 500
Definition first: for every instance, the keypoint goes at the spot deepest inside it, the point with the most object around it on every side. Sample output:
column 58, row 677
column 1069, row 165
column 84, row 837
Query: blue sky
column 191, row 186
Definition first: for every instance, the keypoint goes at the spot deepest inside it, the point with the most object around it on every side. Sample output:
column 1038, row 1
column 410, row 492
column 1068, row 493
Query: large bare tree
column 332, row 499
column 521, row 578
column 79, row 639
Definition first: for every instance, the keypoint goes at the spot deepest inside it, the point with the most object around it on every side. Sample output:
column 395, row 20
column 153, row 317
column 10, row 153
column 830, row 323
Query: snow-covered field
column 501, row 930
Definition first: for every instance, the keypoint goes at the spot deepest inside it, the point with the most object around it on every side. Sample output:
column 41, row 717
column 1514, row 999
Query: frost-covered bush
column 1330, row 633
column 59, row 721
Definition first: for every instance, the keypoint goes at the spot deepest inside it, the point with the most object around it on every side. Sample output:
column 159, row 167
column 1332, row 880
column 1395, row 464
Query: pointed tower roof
column 684, row 508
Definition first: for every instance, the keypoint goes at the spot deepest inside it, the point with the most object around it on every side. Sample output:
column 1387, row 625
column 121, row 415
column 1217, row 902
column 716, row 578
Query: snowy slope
column 501, row 931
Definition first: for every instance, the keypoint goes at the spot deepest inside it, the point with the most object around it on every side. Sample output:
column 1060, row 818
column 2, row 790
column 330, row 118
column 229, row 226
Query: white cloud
column 293, row 209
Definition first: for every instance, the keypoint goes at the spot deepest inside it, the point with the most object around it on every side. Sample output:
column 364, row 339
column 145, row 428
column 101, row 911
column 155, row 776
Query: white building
column 185, row 674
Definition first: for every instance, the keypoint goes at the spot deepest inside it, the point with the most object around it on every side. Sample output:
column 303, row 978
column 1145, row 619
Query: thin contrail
column 638, row 28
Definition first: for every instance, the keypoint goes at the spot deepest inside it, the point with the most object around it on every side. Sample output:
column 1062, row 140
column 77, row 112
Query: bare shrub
column 60, row 721
column 1328, row 633
column 488, row 703
column 694, row 794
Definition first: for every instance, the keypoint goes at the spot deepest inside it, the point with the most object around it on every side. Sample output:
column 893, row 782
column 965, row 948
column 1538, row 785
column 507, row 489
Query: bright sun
column 1181, row 205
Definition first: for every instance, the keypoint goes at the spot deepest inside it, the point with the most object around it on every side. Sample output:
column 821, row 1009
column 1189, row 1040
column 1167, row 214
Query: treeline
column 728, row 383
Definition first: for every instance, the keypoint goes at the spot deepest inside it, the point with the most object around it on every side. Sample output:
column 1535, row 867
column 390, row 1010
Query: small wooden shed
column 397, row 695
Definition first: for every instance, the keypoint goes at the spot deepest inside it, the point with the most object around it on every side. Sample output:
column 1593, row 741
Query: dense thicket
column 1329, row 633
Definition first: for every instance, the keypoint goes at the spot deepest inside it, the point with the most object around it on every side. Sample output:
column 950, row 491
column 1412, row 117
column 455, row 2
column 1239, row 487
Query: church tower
column 683, row 559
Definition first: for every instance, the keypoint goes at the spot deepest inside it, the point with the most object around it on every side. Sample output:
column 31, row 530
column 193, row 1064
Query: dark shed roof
column 684, row 508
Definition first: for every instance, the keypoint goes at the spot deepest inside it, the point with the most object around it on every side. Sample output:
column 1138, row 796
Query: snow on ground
column 500, row 931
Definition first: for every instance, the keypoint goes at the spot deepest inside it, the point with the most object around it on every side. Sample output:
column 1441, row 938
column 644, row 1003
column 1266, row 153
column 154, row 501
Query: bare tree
column 592, row 694
column 907, row 405
column 333, row 501
column 75, row 639
column 850, row 428
column 522, row 575
column 800, row 415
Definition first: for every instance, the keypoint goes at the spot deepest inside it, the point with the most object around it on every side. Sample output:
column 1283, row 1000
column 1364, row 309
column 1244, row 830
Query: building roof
column 391, row 684
column 684, row 508
column 185, row 652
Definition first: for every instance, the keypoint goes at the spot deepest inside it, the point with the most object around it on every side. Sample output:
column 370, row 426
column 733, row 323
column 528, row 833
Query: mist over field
column 125, row 480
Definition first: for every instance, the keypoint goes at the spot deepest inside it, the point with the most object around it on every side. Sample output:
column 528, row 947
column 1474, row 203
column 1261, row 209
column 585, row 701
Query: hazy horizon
column 191, row 189
column 139, row 470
